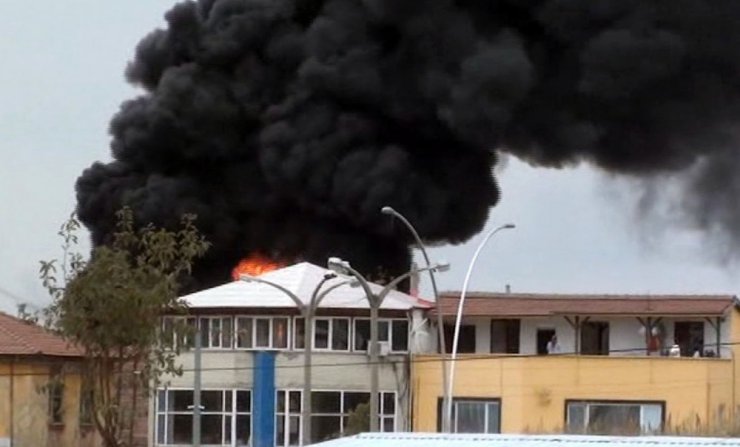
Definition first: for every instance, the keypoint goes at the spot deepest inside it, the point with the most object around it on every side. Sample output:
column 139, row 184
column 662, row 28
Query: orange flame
column 254, row 265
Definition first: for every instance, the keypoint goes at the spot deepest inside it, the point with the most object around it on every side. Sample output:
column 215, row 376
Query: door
column 543, row 337
column 689, row 337
column 595, row 338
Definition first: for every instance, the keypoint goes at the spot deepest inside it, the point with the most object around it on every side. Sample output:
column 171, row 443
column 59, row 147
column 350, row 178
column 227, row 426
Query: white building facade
column 252, row 363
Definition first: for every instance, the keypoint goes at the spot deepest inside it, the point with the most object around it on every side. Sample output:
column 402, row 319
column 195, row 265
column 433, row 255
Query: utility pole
column 196, row 386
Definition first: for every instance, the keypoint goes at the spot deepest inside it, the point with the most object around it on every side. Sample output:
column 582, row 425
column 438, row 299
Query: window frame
column 614, row 402
column 487, row 401
column 271, row 332
column 231, row 413
column 287, row 415
column 178, row 340
column 344, row 413
column 55, row 390
column 387, row 337
column 329, row 335
column 209, row 337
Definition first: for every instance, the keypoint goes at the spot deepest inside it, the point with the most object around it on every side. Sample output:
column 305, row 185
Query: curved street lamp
column 458, row 318
column 440, row 323
column 375, row 300
column 308, row 312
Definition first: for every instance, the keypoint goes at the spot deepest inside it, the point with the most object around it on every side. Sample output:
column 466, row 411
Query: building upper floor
column 615, row 325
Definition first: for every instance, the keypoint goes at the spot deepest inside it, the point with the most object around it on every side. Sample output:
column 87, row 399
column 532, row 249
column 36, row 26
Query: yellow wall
column 30, row 406
column 533, row 389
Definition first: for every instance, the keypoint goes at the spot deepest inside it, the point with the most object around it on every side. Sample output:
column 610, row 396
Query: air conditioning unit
column 384, row 349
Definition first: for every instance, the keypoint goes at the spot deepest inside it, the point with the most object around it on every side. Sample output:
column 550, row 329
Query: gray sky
column 62, row 80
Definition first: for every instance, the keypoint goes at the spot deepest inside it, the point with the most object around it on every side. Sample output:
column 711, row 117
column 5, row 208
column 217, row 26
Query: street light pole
column 308, row 312
column 440, row 323
column 458, row 318
column 375, row 300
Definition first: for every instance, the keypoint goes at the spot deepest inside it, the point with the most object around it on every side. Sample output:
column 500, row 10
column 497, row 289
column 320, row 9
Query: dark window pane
column 340, row 335
column 470, row 417
column 299, row 333
column 294, row 398
column 493, row 418
column 614, row 419
column 294, row 430
column 227, row 429
column 216, row 332
column 244, row 332
column 160, row 429
column 205, row 328
column 362, row 334
column 211, row 400
column 226, row 333
column 280, row 404
column 400, row 340
column 325, row 427
column 243, row 429
column 383, row 330
column 228, row 394
column 466, row 341
column 389, row 403
column 263, row 333
column 576, row 418
column 181, row 428
column 161, row 400
column 279, row 430
column 280, row 333
column 325, row 402
column 352, row 400
column 180, row 400
column 387, row 425
column 243, row 402
column 321, row 334
column 211, row 428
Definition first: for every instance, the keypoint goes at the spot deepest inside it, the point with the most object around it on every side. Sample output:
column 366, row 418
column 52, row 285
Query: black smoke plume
column 287, row 124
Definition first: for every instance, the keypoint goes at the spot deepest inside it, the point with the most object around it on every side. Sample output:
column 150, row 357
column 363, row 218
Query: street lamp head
column 441, row 266
column 337, row 265
column 509, row 226
column 329, row 276
column 246, row 277
column 387, row 210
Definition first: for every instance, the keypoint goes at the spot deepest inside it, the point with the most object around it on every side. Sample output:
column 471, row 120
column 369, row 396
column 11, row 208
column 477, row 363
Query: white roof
column 300, row 279
column 481, row 440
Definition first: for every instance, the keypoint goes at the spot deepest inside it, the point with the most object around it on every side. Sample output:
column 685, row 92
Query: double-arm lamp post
column 374, row 301
column 440, row 323
column 308, row 312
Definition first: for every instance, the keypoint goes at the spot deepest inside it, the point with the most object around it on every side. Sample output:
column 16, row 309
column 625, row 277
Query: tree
column 110, row 307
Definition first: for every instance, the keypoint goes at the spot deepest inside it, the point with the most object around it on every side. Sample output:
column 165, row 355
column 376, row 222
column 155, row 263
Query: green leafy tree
column 110, row 306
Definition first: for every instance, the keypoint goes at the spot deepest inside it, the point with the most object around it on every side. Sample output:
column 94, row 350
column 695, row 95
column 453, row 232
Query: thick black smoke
column 287, row 125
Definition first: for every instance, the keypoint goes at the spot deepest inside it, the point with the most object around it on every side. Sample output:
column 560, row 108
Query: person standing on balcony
column 552, row 346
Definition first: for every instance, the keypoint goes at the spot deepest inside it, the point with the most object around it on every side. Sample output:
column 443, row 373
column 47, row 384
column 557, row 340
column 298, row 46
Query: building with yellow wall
column 611, row 370
column 41, row 392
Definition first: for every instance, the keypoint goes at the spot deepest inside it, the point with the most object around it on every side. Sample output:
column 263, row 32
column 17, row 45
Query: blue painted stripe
column 263, row 410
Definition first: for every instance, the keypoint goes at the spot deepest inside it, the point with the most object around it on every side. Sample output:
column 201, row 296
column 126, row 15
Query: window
column 393, row 331
column 505, row 336
column 225, row 415
column 543, row 338
column 178, row 332
column 262, row 332
column 466, row 340
column 328, row 333
column 56, row 399
column 86, row 405
column 595, row 338
column 614, row 418
column 476, row 416
column 215, row 332
column 331, row 410
column 288, row 418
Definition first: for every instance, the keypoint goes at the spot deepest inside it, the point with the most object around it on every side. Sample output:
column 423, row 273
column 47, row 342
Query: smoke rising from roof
column 287, row 124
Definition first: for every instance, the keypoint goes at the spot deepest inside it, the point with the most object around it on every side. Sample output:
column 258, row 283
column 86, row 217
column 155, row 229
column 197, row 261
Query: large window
column 331, row 412
column 466, row 338
column 595, row 338
column 330, row 334
column 262, row 332
column 614, row 418
column 215, row 332
column 689, row 336
column 288, row 418
column 393, row 331
column 225, row 417
column 178, row 332
column 476, row 415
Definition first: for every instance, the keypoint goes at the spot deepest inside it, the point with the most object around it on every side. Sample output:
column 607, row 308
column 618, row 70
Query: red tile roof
column 18, row 337
column 538, row 305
